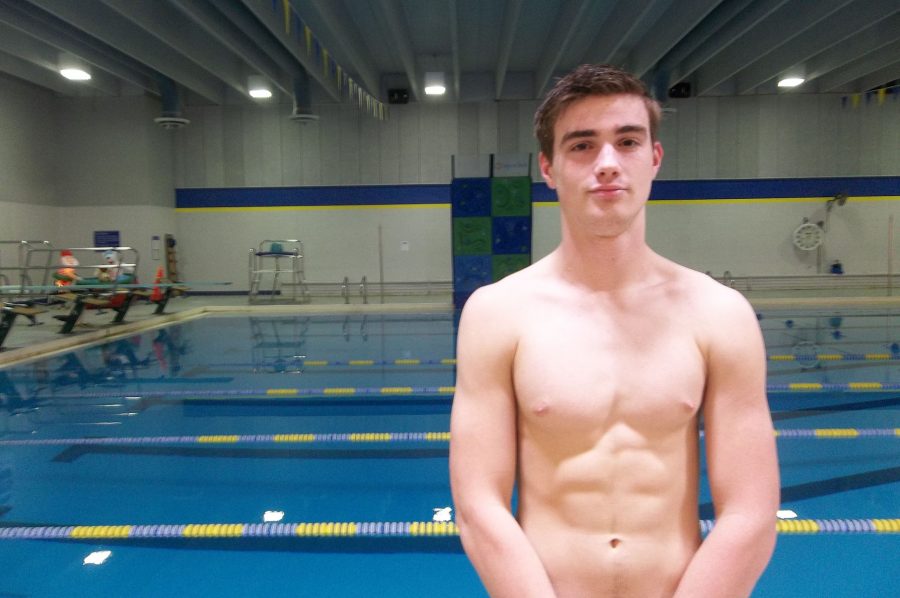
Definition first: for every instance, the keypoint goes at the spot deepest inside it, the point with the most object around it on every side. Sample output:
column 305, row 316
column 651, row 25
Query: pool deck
column 26, row 342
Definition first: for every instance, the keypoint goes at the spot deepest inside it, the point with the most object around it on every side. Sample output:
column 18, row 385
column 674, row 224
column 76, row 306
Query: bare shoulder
column 509, row 294
column 720, row 313
column 495, row 314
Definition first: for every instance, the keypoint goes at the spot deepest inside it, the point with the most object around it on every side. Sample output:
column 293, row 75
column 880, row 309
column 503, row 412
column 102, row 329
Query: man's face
column 603, row 163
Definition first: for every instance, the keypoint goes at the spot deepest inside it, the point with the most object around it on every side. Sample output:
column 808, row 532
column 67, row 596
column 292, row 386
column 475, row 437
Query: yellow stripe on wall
column 412, row 206
column 744, row 200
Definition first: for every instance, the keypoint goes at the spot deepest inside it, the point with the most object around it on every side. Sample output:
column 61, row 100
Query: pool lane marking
column 371, row 529
column 365, row 362
column 835, row 357
column 240, row 438
column 363, row 391
column 332, row 437
column 376, row 362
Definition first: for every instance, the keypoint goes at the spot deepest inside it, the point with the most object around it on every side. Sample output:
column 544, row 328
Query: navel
column 614, row 543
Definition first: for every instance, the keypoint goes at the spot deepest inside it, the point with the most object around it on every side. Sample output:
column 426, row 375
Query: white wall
column 113, row 154
column 726, row 137
column 101, row 164
column 70, row 166
column 337, row 243
column 784, row 136
column 26, row 163
column 729, row 137
column 755, row 239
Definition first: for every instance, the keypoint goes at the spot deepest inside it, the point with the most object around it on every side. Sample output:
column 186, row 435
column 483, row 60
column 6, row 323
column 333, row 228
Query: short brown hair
column 585, row 81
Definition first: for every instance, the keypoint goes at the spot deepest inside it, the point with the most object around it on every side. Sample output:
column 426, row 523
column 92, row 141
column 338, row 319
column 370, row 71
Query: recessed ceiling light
column 791, row 82
column 259, row 87
column 434, row 83
column 75, row 74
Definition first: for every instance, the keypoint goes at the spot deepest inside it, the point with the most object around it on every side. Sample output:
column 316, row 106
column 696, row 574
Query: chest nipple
column 541, row 408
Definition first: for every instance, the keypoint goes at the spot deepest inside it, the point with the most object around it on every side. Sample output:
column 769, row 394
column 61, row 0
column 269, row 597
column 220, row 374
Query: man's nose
column 607, row 163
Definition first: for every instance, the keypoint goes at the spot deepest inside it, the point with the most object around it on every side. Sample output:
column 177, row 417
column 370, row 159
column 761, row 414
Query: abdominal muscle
column 611, row 524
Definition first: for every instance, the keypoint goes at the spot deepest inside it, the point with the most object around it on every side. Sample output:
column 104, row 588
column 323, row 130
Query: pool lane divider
column 376, row 362
column 449, row 361
column 836, row 357
column 418, row 391
column 369, row 529
column 861, row 386
column 385, row 437
column 351, row 437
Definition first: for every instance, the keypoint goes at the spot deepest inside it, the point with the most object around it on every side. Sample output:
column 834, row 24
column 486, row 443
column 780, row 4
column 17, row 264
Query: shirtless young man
column 582, row 376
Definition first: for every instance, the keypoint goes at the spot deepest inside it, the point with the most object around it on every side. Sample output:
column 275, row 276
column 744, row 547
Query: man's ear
column 657, row 155
column 545, row 170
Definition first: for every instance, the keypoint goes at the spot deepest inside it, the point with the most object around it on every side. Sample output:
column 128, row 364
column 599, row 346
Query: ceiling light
column 258, row 87
column 72, row 67
column 434, row 83
column 791, row 81
column 75, row 74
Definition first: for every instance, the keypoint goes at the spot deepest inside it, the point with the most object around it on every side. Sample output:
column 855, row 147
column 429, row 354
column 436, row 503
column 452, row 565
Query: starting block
column 9, row 313
column 82, row 300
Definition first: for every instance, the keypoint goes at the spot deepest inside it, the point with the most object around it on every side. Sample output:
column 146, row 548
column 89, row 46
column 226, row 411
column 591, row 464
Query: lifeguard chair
column 281, row 262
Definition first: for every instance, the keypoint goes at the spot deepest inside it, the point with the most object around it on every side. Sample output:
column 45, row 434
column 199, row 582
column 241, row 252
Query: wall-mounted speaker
column 680, row 90
column 398, row 96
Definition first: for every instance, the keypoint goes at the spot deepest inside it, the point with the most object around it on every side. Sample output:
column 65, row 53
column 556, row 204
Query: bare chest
column 583, row 374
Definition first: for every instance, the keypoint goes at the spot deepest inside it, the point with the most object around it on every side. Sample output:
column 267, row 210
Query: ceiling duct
column 171, row 106
column 302, row 112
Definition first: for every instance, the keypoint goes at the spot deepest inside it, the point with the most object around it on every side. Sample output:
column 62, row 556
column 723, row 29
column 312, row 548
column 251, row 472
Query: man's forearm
column 731, row 559
column 501, row 553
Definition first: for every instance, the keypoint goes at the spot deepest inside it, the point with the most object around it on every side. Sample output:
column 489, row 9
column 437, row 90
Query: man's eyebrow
column 623, row 130
column 578, row 134
column 631, row 129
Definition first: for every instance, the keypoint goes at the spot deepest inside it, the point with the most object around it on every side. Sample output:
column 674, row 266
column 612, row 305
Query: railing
column 822, row 284
column 38, row 264
column 25, row 266
column 345, row 289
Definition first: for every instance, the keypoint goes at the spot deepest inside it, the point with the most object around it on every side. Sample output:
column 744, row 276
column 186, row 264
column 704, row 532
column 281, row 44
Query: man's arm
column 483, row 453
column 741, row 458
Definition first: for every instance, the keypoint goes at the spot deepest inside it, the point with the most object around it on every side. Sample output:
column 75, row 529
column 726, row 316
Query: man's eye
column 629, row 142
column 579, row 147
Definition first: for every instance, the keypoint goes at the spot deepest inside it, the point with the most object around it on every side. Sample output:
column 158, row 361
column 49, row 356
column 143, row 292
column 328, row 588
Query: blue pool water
column 187, row 426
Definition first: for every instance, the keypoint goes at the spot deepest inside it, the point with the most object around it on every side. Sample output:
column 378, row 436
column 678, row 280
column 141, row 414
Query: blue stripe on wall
column 356, row 195
column 750, row 188
column 758, row 188
column 440, row 194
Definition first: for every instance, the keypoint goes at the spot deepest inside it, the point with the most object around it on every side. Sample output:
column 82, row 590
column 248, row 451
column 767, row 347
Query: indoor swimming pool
column 306, row 455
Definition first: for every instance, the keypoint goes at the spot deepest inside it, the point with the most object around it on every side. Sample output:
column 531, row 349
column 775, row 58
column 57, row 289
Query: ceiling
column 202, row 51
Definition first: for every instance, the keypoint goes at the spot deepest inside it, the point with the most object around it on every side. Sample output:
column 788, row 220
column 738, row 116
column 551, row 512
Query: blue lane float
column 368, row 529
column 386, row 437
column 405, row 391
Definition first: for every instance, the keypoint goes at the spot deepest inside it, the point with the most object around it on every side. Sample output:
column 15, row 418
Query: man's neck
column 605, row 264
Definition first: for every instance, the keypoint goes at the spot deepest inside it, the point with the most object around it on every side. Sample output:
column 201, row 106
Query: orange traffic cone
column 157, row 295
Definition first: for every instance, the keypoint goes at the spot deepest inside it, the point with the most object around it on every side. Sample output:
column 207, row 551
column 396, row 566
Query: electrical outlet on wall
column 404, row 245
